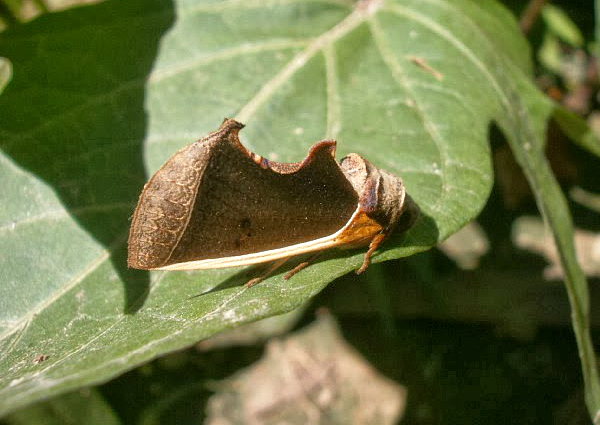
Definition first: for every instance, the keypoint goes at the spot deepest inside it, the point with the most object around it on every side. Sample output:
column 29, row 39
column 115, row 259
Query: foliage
column 102, row 95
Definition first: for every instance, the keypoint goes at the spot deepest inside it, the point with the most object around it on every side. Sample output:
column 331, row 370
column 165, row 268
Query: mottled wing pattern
column 215, row 199
column 242, row 207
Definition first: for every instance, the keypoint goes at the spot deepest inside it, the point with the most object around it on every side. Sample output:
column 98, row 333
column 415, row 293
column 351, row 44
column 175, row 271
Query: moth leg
column 375, row 242
column 301, row 265
column 276, row 264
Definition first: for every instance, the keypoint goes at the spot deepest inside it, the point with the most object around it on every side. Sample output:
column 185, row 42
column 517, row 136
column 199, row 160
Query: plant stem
column 529, row 16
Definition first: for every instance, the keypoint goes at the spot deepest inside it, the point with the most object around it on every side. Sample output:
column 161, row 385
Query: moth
column 215, row 204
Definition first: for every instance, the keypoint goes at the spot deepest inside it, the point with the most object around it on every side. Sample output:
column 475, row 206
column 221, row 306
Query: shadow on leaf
column 424, row 230
column 75, row 114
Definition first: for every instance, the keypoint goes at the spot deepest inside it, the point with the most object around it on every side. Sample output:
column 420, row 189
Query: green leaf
column 102, row 95
column 524, row 126
column 5, row 73
column 577, row 129
column 550, row 53
column 78, row 407
column 561, row 25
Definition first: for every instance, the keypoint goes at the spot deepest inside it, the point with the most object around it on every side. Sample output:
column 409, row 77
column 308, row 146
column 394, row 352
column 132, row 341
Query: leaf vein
column 63, row 289
column 398, row 75
column 349, row 23
column 334, row 112
column 223, row 55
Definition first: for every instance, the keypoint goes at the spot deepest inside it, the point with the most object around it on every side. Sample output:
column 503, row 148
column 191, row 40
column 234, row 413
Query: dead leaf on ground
column 311, row 377
column 466, row 246
column 531, row 234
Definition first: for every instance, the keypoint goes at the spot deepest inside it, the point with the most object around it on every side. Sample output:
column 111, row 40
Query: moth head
column 382, row 195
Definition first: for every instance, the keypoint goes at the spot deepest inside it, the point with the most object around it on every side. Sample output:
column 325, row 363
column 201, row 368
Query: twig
column 529, row 16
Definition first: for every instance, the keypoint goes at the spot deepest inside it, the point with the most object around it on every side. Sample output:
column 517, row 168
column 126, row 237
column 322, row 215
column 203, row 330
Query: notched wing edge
column 323, row 243
column 324, row 147
column 231, row 127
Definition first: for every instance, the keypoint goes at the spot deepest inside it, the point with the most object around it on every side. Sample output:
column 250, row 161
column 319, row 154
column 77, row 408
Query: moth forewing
column 337, row 239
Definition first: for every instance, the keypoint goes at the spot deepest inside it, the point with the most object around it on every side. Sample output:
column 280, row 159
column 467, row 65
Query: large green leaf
column 102, row 95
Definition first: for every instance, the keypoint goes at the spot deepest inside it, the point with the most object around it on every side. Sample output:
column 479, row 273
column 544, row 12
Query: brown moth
column 215, row 204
